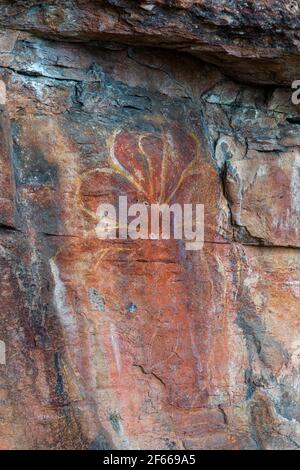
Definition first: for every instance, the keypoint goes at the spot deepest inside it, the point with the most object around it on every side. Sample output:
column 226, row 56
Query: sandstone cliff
column 142, row 344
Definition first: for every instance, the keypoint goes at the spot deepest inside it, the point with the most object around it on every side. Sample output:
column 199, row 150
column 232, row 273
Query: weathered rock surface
column 140, row 343
column 255, row 40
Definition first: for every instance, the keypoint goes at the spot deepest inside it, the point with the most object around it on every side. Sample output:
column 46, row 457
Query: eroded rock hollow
column 133, row 344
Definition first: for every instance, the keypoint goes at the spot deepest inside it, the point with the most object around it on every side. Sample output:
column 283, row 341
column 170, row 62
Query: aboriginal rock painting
column 145, row 166
column 142, row 305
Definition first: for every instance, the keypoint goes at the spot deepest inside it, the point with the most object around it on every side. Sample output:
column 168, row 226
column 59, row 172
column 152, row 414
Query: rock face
column 134, row 344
